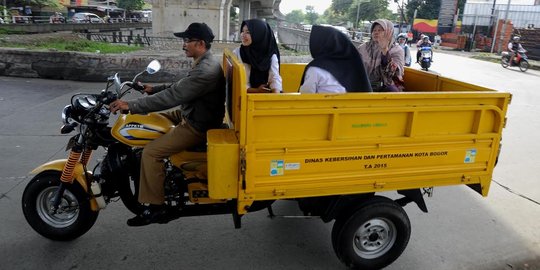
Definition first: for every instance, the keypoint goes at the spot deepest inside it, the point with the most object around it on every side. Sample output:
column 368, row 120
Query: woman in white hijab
column 383, row 58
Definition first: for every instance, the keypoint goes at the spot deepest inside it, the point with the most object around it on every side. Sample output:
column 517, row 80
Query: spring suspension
column 69, row 168
column 87, row 153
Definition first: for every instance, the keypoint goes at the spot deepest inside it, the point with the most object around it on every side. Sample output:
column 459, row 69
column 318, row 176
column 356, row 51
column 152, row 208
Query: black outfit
column 424, row 44
column 259, row 53
column 334, row 52
column 515, row 46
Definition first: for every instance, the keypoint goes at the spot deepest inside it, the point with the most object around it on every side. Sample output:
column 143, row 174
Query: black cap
column 199, row 31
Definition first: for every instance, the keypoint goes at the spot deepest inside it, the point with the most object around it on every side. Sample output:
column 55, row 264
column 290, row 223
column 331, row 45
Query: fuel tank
column 138, row 130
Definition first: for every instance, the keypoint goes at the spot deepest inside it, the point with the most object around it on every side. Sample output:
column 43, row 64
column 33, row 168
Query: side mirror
column 153, row 67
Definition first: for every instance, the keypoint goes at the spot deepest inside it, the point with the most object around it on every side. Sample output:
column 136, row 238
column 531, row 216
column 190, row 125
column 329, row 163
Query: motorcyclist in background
column 424, row 42
column 402, row 41
column 514, row 47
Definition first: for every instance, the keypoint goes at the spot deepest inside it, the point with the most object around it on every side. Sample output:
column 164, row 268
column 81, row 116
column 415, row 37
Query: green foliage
column 461, row 5
column 347, row 10
column 130, row 5
column 4, row 31
column 295, row 16
column 233, row 14
column 77, row 46
column 311, row 15
column 427, row 9
column 332, row 17
column 341, row 7
column 43, row 3
column 370, row 11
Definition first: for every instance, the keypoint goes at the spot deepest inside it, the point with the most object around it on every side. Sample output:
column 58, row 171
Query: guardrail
column 75, row 27
column 139, row 38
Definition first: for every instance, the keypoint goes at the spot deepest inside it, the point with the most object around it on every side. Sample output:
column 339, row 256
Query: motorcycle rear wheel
column 74, row 216
column 523, row 65
column 372, row 236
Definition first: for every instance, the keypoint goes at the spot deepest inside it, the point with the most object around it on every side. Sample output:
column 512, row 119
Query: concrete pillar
column 245, row 10
column 226, row 18
column 169, row 16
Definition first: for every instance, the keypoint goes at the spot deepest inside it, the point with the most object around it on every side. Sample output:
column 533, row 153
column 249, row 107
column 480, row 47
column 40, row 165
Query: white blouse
column 274, row 79
column 318, row 80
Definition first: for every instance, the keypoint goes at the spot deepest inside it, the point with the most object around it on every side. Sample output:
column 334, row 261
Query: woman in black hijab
column 260, row 54
column 336, row 67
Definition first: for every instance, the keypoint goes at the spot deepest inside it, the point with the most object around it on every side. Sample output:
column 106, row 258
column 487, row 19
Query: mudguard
column 78, row 174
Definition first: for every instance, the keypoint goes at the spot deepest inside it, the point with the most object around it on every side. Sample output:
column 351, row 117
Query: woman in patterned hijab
column 383, row 58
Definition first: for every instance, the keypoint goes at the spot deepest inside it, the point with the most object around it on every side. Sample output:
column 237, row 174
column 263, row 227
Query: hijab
column 334, row 52
column 372, row 54
column 259, row 53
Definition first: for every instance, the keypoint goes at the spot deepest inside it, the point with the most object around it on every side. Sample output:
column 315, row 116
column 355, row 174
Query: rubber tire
column 523, row 66
column 425, row 66
column 129, row 196
column 86, row 217
column 346, row 226
column 504, row 62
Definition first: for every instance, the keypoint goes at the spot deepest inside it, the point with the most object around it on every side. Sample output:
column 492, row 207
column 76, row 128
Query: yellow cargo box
column 438, row 132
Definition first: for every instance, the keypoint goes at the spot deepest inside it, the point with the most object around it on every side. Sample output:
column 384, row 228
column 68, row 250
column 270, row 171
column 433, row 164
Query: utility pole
column 491, row 18
column 357, row 14
column 402, row 9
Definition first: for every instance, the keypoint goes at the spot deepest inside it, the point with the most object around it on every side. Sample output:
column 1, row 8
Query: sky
column 287, row 6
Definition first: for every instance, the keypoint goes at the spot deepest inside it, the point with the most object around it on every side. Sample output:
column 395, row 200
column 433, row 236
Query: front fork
column 77, row 154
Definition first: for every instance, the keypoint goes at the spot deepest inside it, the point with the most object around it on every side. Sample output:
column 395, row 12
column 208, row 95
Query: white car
column 86, row 17
column 343, row 30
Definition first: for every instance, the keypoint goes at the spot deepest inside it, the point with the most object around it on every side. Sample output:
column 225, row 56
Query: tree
column 41, row 3
column 370, row 10
column 130, row 5
column 295, row 16
column 346, row 10
column 311, row 16
column 427, row 9
column 332, row 17
column 341, row 6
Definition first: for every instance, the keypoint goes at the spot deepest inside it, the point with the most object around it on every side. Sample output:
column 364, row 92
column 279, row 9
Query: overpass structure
column 169, row 16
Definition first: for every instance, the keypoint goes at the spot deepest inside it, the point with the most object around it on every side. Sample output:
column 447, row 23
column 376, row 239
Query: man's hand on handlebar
column 143, row 88
column 119, row 105
column 148, row 89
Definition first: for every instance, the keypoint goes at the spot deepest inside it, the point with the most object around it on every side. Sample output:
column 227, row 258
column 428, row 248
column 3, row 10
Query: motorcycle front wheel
column 504, row 62
column 425, row 65
column 523, row 65
column 74, row 216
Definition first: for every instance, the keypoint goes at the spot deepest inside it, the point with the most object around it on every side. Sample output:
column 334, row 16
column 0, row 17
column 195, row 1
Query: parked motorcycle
column 63, row 200
column 425, row 57
column 520, row 60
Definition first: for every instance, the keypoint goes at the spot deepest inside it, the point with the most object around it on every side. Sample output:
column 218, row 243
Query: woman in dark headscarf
column 383, row 58
column 336, row 67
column 260, row 54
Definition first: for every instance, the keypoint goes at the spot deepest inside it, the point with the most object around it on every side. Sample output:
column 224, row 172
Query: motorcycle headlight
column 66, row 115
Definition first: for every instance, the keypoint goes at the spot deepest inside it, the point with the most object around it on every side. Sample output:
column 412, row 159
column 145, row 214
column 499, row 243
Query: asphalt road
column 461, row 231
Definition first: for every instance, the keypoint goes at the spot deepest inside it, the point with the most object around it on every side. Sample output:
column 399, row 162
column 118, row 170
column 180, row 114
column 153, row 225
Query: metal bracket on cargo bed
column 412, row 195
column 428, row 191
